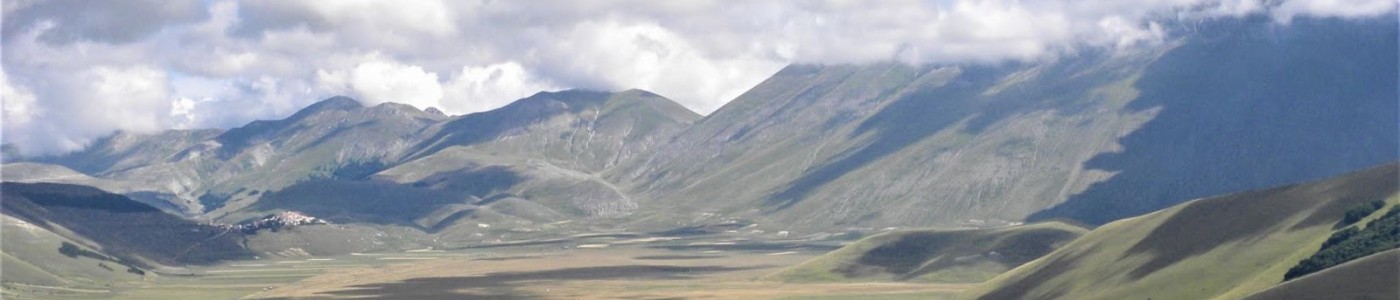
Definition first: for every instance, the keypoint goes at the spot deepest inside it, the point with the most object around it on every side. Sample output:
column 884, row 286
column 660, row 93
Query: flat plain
column 719, row 266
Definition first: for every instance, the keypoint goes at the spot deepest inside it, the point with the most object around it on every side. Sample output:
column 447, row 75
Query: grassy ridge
column 131, row 231
column 33, row 265
column 1223, row 247
column 953, row 256
column 1379, row 235
column 1371, row 277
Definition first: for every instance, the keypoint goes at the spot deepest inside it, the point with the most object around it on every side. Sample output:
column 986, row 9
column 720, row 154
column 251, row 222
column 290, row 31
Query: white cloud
column 183, row 110
column 1123, row 34
column 112, row 98
column 488, row 87
column 1333, row 8
column 98, row 21
column 612, row 55
column 19, row 105
column 378, row 82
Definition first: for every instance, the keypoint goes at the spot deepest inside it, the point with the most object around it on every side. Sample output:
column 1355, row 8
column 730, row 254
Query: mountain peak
column 435, row 111
column 397, row 107
column 341, row 103
column 636, row 98
column 638, row 92
column 587, row 97
column 571, row 96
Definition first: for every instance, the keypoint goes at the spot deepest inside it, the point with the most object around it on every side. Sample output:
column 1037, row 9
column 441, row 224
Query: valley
column 1185, row 246
column 720, row 266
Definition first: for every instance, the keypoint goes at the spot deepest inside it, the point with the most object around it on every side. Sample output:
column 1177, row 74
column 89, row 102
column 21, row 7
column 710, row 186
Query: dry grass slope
column 951, row 256
column 1222, row 247
column 1371, row 277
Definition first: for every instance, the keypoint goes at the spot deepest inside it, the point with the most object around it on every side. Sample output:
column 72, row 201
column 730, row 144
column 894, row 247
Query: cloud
column 19, row 107
column 647, row 56
column 148, row 65
column 1333, row 8
column 133, row 99
column 481, row 88
column 100, row 21
column 378, row 82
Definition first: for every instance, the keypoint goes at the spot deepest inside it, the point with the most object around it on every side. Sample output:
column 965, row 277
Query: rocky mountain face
column 1094, row 136
column 202, row 170
column 533, row 162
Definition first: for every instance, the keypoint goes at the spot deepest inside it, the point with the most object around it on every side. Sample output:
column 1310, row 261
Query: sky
column 72, row 71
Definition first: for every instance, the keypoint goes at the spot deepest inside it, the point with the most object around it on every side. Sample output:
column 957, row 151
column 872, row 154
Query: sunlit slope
column 545, row 152
column 34, row 266
column 509, row 171
column 582, row 130
column 816, row 147
column 1223, row 247
column 122, row 228
column 1373, row 277
column 956, row 256
column 202, row 171
column 156, row 195
column 550, row 143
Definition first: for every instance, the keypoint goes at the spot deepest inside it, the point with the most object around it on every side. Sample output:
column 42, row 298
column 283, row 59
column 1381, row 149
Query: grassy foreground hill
column 134, row 233
column 1224, row 247
column 930, row 255
column 1371, row 277
column 33, row 264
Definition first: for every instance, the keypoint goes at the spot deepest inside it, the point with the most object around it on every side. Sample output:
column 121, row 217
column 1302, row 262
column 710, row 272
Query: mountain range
column 1095, row 136
column 1215, row 153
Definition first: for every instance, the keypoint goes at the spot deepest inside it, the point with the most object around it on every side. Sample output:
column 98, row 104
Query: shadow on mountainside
column 1203, row 226
column 1063, row 87
column 125, row 228
column 381, row 202
column 1248, row 105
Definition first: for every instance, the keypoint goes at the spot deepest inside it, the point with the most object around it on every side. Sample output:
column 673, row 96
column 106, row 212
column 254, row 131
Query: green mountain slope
column 959, row 256
column 892, row 145
column 1378, row 235
column 1239, row 104
column 547, row 150
column 164, row 197
column 1235, row 104
column 1371, row 277
column 33, row 264
column 127, row 230
column 1222, row 247
column 582, row 130
column 550, row 143
column 202, row 171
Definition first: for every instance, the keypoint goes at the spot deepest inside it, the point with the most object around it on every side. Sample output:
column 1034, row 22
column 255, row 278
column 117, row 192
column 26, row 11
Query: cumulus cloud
column 113, row 98
column 104, row 21
column 76, row 70
column 377, row 82
column 481, row 88
column 1338, row 8
column 19, row 107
